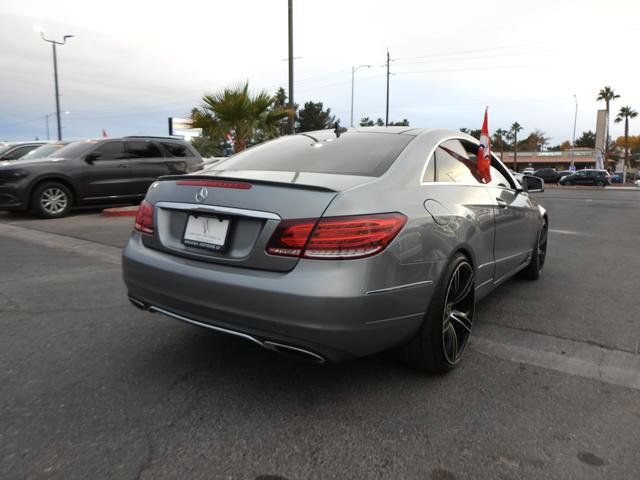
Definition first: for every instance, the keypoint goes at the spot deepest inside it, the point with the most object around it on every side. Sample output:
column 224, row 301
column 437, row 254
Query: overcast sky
column 132, row 64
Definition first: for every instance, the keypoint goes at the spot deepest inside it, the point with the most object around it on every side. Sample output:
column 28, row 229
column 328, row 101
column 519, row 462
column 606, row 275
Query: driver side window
column 111, row 151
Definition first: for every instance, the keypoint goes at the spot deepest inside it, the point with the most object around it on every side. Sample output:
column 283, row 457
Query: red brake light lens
column 336, row 237
column 215, row 184
column 144, row 218
column 290, row 237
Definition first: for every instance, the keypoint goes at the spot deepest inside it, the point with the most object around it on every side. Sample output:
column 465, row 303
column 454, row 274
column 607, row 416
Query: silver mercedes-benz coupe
column 335, row 244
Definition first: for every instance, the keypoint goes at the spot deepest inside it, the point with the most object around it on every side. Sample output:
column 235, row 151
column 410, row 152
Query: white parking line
column 569, row 232
column 562, row 355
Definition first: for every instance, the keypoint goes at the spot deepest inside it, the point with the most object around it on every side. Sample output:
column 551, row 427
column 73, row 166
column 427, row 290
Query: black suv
column 114, row 170
column 549, row 175
column 599, row 178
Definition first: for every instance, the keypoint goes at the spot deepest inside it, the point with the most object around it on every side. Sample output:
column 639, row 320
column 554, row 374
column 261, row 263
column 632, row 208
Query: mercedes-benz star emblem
column 202, row 195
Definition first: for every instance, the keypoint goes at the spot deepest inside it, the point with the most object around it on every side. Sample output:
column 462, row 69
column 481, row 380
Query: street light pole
column 386, row 118
column 292, row 126
column 46, row 118
column 573, row 145
column 353, row 74
column 54, row 44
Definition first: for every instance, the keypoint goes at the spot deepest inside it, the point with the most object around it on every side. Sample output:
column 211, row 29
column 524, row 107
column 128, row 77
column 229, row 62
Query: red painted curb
column 121, row 211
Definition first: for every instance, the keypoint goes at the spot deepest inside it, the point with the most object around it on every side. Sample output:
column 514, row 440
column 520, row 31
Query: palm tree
column 625, row 114
column 235, row 109
column 500, row 134
column 606, row 95
column 513, row 134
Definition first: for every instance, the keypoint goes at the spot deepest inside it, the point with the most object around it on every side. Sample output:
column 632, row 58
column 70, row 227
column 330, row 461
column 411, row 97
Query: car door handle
column 123, row 165
column 502, row 203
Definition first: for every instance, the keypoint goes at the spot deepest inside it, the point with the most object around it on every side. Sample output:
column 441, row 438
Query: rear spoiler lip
column 252, row 181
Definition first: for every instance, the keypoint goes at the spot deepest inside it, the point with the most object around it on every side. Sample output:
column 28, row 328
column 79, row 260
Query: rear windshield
column 353, row 153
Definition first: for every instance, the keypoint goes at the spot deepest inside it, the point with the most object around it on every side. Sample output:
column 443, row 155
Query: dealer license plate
column 206, row 232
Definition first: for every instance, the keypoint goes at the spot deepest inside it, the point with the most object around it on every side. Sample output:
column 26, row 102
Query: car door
column 460, row 205
column 582, row 178
column 147, row 163
column 107, row 171
column 515, row 221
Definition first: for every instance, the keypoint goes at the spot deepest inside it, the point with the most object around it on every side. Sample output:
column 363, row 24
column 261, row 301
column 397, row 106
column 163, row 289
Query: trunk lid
column 250, row 203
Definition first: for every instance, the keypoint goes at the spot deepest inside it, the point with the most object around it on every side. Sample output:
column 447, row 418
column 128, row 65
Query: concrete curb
column 121, row 211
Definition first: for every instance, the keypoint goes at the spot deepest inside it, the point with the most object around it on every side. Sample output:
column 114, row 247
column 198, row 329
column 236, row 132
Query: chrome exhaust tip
column 138, row 304
column 292, row 351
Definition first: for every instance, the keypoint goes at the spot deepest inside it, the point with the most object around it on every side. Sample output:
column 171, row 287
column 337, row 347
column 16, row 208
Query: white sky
column 134, row 63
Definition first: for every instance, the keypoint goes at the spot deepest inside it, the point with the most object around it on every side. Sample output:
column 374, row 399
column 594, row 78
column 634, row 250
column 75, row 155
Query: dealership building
column 582, row 158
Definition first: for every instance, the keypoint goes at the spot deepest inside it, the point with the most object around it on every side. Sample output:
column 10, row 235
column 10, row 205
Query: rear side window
column 142, row 149
column 353, row 153
column 453, row 164
column 111, row 151
column 177, row 150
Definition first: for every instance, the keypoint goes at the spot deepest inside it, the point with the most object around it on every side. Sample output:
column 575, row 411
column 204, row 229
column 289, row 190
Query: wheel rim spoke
column 462, row 319
column 458, row 314
column 53, row 200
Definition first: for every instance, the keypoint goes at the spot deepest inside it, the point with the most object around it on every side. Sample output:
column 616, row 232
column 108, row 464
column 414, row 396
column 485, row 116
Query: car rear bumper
column 316, row 307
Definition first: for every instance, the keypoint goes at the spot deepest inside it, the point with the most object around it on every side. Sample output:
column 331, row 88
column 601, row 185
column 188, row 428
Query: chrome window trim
column 453, row 137
column 197, row 207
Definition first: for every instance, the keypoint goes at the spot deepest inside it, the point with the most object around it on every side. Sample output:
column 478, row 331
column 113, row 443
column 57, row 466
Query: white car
column 637, row 183
column 528, row 171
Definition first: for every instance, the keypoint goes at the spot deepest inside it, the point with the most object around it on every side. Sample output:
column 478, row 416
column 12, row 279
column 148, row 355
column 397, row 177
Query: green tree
column 403, row 123
column 366, row 122
column 498, row 140
column 251, row 117
column 535, row 142
column 513, row 137
column 473, row 132
column 625, row 114
column 586, row 140
column 313, row 117
column 607, row 95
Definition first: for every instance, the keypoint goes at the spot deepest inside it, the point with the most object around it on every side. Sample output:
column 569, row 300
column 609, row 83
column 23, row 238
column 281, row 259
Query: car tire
column 534, row 269
column 51, row 200
column 443, row 336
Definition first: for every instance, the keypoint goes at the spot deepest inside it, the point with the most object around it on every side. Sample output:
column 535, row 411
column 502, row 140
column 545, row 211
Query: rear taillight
column 336, row 237
column 144, row 218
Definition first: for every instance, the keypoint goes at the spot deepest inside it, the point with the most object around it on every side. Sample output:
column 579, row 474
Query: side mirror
column 92, row 157
column 532, row 184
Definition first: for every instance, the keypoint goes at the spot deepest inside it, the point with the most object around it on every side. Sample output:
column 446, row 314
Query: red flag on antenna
column 104, row 133
column 484, row 151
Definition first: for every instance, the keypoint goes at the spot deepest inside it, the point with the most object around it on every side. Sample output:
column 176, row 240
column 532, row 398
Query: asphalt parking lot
column 94, row 388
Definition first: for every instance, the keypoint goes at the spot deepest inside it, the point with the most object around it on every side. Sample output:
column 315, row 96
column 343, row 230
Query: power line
column 478, row 57
column 468, row 51
column 498, row 67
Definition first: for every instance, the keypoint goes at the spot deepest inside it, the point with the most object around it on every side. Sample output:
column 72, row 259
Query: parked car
column 114, row 170
column 549, row 175
column 327, row 246
column 617, row 177
column 528, row 171
column 14, row 150
column 46, row 150
column 564, row 173
column 599, row 178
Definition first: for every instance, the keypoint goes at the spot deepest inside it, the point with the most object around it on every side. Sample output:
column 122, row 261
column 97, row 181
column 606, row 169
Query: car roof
column 26, row 142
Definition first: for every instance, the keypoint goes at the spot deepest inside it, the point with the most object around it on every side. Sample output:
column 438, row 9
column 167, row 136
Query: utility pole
column 386, row 121
column 55, row 76
column 292, row 124
column 573, row 144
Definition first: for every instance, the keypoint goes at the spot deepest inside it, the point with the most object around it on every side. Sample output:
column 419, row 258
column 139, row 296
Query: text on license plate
column 206, row 232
